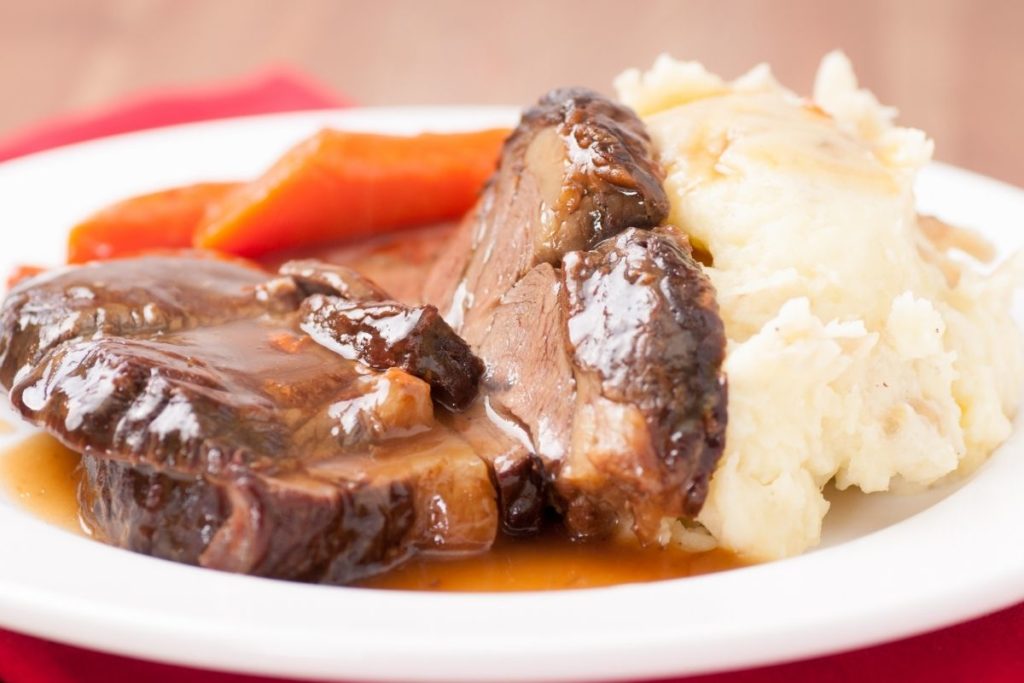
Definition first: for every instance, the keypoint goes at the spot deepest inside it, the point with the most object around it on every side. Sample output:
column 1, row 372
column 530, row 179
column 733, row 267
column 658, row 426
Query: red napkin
column 987, row 650
column 274, row 91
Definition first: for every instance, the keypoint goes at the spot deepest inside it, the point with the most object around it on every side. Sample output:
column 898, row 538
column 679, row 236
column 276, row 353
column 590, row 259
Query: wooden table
column 953, row 67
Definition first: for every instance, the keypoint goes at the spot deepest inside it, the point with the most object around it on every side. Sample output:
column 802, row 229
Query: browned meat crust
column 600, row 335
column 215, row 432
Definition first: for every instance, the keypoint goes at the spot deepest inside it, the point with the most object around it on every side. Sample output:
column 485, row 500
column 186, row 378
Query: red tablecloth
column 988, row 650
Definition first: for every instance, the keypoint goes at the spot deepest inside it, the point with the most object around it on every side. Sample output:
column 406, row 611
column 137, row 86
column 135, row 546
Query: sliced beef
column 386, row 334
column 517, row 474
column 530, row 378
column 214, row 431
column 335, row 522
column 576, row 170
column 600, row 335
column 647, row 348
column 353, row 317
column 114, row 298
column 612, row 366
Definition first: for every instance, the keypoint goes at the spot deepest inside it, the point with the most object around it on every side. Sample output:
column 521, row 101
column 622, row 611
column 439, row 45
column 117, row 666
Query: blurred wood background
column 952, row 67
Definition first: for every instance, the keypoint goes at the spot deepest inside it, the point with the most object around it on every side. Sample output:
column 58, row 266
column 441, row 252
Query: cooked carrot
column 341, row 186
column 23, row 272
column 160, row 220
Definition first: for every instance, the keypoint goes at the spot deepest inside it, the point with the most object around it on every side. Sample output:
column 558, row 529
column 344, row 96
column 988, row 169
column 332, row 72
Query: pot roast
column 599, row 330
column 305, row 425
column 215, row 432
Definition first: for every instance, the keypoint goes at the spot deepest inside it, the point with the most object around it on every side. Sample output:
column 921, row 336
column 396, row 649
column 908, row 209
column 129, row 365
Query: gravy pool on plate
column 42, row 476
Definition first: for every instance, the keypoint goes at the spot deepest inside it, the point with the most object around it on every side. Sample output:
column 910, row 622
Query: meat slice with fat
column 611, row 367
column 215, row 432
column 577, row 168
column 647, row 351
column 599, row 331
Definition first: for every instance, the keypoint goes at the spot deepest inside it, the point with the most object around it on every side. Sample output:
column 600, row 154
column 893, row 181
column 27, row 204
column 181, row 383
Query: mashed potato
column 860, row 349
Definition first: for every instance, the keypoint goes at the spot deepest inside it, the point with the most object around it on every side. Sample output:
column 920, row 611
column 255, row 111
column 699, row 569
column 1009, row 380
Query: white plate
column 890, row 566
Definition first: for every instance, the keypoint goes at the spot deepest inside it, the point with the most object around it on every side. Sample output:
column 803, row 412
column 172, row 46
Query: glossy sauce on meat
column 41, row 475
column 215, row 433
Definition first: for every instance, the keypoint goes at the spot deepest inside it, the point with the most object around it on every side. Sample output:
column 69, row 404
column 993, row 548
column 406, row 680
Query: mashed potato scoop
column 865, row 343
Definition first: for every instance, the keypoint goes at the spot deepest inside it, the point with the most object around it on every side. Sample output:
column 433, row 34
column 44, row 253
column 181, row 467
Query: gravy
column 551, row 562
column 397, row 262
column 42, row 475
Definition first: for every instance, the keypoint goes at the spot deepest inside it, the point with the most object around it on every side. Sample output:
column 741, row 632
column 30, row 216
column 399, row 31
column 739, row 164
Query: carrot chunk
column 341, row 186
column 23, row 272
column 160, row 220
